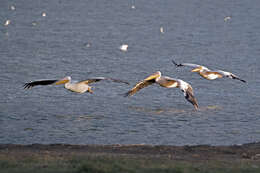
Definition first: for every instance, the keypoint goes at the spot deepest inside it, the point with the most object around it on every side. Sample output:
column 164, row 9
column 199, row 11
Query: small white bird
column 207, row 73
column 227, row 18
column 167, row 82
column 124, row 47
column 43, row 14
column 7, row 22
column 161, row 30
column 12, row 7
column 34, row 23
column 79, row 87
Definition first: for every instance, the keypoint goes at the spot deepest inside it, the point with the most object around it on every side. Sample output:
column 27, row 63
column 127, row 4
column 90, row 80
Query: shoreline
column 245, row 151
column 129, row 158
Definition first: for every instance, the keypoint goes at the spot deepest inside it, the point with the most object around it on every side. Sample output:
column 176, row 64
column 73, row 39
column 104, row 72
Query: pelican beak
column 153, row 76
column 62, row 81
column 196, row 69
column 90, row 90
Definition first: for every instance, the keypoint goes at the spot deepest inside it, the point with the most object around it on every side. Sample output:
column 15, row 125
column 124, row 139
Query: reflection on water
column 210, row 107
column 171, row 110
column 156, row 110
column 89, row 117
column 81, row 117
column 28, row 128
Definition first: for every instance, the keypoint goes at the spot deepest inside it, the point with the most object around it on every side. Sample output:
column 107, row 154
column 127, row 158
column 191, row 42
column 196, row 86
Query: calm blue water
column 35, row 47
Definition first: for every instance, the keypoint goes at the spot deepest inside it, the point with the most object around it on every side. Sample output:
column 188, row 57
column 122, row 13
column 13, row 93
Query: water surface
column 82, row 38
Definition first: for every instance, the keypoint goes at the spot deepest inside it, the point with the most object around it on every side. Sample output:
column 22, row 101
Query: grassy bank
column 102, row 160
column 120, row 165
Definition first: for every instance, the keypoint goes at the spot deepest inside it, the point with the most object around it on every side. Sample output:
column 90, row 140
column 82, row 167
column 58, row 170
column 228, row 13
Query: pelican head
column 198, row 69
column 64, row 80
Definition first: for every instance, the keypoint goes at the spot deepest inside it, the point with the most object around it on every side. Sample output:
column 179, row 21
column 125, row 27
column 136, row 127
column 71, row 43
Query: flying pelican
column 79, row 87
column 167, row 82
column 207, row 73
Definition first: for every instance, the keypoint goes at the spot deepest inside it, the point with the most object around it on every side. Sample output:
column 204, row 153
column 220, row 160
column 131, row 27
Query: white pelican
column 207, row 73
column 79, row 87
column 167, row 82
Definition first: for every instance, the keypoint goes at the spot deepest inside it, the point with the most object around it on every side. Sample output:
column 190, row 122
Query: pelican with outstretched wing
column 167, row 82
column 79, row 87
column 207, row 73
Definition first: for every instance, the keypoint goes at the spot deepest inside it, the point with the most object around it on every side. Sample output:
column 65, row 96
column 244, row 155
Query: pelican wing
column 230, row 75
column 189, row 65
column 41, row 82
column 144, row 83
column 188, row 93
column 117, row 80
column 167, row 82
column 140, row 85
column 97, row 79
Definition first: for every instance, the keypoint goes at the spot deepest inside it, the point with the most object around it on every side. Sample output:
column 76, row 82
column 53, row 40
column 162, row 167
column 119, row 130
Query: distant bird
column 161, row 30
column 79, row 87
column 7, row 22
column 43, row 14
column 12, row 7
column 207, row 73
column 167, row 82
column 227, row 18
column 123, row 47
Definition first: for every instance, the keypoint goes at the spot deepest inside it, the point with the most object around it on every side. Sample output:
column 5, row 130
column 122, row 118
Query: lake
column 54, row 39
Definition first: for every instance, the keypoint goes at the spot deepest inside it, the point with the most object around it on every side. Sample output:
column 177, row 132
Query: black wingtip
column 126, row 94
column 177, row 65
column 190, row 98
column 234, row 77
column 194, row 103
column 119, row 81
column 27, row 86
column 242, row 80
column 174, row 62
column 196, row 106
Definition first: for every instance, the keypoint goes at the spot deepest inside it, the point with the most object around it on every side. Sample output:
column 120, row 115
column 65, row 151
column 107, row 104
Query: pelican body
column 207, row 73
column 167, row 82
column 78, row 87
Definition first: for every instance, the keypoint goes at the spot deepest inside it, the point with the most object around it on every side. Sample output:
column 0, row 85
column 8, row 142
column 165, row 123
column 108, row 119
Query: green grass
column 119, row 164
